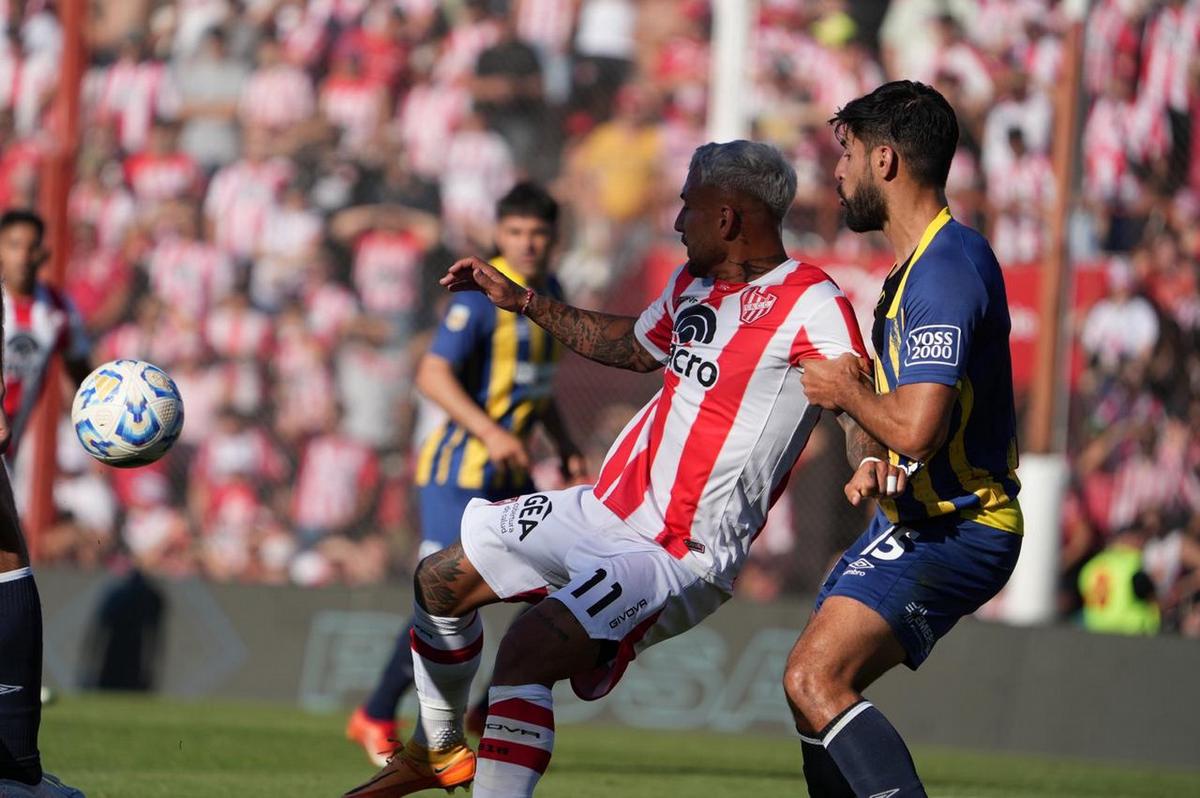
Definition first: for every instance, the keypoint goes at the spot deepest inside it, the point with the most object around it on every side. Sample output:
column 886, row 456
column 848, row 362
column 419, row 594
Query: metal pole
column 1030, row 597
column 57, row 176
column 729, row 73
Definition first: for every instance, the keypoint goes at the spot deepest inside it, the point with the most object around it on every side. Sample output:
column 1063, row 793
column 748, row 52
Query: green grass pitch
column 131, row 747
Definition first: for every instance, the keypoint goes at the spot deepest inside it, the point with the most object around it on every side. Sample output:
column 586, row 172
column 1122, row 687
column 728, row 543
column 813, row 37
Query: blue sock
column 870, row 754
column 395, row 680
column 20, row 676
column 821, row 773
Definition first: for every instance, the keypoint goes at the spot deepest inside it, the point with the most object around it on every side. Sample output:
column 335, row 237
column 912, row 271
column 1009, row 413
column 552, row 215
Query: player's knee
column 512, row 662
column 808, row 686
column 434, row 586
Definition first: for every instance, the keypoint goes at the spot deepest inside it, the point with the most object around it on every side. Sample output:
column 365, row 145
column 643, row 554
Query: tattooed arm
column 858, row 443
column 601, row 337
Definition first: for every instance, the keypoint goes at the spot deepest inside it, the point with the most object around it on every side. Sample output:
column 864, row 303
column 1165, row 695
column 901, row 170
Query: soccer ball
column 127, row 413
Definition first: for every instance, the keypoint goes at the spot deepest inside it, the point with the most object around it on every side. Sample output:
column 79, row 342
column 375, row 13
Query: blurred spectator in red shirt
column 162, row 171
column 134, row 91
column 278, row 95
column 335, row 486
column 243, row 195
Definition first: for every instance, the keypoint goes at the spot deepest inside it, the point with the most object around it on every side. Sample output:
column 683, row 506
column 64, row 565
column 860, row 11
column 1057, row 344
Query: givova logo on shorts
column 933, row 344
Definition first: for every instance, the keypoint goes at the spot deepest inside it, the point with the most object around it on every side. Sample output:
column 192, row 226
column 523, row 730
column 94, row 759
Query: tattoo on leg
column 435, row 580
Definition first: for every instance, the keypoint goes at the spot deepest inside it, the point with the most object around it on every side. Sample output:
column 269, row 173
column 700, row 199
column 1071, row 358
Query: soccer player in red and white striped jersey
column 681, row 495
column 36, row 322
column 39, row 321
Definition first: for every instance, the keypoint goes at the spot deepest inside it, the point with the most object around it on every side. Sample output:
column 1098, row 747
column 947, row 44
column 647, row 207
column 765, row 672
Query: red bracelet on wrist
column 529, row 294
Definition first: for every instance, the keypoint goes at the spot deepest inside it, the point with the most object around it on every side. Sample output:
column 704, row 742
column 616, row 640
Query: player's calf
column 447, row 640
column 544, row 646
column 844, row 649
column 447, row 584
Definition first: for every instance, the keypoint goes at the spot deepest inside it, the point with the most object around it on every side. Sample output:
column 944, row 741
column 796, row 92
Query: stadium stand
column 269, row 189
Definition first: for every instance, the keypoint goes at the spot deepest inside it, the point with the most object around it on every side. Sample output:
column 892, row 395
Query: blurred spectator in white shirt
column 1122, row 326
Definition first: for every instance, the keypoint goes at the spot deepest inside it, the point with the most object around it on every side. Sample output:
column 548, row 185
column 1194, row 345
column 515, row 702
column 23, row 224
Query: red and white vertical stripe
column 110, row 212
column 698, row 467
column 427, row 118
column 276, row 98
column 461, row 50
column 156, row 178
column 239, row 201
column 133, row 93
column 334, row 472
column 478, row 171
column 190, row 276
column 387, row 270
column 356, row 106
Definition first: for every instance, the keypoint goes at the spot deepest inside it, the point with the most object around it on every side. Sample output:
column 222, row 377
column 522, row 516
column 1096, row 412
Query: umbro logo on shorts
column 859, row 567
column 5, row 689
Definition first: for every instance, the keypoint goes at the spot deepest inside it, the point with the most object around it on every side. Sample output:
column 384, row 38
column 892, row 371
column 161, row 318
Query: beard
column 701, row 260
column 866, row 211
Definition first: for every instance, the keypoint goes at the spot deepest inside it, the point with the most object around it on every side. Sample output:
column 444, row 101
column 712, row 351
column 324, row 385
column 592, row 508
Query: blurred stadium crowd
column 268, row 190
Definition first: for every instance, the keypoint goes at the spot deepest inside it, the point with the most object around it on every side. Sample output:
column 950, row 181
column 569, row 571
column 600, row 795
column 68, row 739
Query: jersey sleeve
column 469, row 319
column 653, row 327
column 942, row 306
column 831, row 331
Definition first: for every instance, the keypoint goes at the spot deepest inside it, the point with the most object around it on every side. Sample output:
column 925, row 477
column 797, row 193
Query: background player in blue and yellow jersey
column 948, row 529
column 491, row 371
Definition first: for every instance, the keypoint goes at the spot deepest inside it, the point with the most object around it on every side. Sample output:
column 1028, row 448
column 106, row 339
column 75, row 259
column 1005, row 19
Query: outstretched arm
column 601, row 337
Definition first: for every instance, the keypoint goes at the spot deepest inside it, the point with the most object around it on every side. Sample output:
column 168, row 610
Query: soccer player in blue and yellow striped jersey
column 934, row 439
column 492, row 373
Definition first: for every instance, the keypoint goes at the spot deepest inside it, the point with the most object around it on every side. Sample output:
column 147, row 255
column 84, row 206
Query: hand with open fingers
column 826, row 382
column 473, row 274
column 875, row 479
column 506, row 450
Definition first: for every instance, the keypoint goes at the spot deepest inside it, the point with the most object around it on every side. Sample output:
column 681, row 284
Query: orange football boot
column 377, row 737
column 414, row 768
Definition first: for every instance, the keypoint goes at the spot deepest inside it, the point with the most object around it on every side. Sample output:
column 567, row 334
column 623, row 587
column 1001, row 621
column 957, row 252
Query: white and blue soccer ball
column 127, row 413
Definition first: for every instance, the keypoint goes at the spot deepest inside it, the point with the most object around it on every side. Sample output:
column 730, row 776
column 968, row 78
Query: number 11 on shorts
column 613, row 594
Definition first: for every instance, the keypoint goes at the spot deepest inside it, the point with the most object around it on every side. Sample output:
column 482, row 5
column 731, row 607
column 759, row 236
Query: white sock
column 446, row 654
column 517, row 741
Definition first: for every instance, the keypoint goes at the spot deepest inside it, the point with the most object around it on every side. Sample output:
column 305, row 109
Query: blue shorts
column 923, row 576
column 442, row 510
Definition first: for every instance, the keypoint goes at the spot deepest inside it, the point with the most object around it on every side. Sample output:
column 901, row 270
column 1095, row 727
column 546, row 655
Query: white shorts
column 620, row 585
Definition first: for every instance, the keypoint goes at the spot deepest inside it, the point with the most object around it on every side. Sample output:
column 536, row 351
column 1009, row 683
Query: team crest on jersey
column 756, row 303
